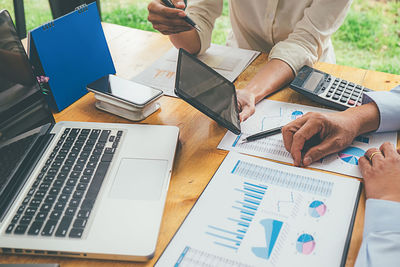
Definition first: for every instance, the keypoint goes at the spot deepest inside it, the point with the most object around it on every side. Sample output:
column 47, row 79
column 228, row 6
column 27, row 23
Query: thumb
column 246, row 112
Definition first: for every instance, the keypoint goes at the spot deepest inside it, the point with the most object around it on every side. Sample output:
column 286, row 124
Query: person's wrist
column 362, row 119
column 250, row 93
column 367, row 118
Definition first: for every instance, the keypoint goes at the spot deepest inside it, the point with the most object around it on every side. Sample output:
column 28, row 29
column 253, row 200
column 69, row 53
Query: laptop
column 78, row 189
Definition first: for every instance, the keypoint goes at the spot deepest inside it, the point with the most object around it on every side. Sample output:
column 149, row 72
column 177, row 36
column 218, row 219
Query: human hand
column 168, row 20
column 381, row 173
column 247, row 104
column 334, row 132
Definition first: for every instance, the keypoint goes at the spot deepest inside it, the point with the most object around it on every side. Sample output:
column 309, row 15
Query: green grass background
column 369, row 38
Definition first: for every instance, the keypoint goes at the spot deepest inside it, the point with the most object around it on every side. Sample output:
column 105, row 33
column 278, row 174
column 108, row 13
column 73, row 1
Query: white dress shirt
column 381, row 237
column 389, row 108
column 296, row 32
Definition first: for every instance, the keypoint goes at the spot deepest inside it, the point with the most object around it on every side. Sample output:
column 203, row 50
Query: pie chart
column 296, row 114
column 317, row 209
column 351, row 155
column 305, row 244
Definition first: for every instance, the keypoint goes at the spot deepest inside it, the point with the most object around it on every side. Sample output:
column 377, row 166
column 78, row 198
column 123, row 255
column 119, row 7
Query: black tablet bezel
column 201, row 107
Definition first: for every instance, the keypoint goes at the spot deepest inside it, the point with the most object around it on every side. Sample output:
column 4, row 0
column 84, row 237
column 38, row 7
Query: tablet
column 206, row 90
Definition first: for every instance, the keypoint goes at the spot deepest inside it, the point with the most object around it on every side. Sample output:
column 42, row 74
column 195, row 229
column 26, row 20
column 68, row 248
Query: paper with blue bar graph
column 270, row 114
column 260, row 213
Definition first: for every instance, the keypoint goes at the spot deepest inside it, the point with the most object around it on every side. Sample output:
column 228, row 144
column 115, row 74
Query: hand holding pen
column 168, row 17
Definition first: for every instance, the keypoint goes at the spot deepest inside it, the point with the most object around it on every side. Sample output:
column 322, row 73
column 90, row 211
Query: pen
column 262, row 134
column 169, row 4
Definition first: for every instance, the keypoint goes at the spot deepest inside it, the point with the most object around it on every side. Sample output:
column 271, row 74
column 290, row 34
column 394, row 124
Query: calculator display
column 313, row 81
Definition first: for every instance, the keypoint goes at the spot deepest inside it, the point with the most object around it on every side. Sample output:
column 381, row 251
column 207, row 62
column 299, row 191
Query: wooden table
column 197, row 156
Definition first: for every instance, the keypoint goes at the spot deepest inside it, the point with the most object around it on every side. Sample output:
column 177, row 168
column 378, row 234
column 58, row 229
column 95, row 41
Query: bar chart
column 235, row 227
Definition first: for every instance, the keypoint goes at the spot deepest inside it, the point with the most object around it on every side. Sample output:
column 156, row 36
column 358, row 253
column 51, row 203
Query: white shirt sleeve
column 204, row 13
column 381, row 238
column 311, row 34
column 389, row 108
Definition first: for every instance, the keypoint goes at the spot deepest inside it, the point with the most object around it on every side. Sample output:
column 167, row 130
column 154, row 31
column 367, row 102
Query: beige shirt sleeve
column 204, row 13
column 311, row 34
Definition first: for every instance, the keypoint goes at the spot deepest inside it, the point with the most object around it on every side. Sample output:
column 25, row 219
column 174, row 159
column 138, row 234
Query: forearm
column 189, row 40
column 389, row 108
column 366, row 117
column 381, row 238
column 273, row 76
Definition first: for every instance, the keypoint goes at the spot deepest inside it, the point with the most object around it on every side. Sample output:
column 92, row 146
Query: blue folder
column 72, row 51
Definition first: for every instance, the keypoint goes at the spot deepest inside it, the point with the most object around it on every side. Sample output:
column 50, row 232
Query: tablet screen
column 207, row 90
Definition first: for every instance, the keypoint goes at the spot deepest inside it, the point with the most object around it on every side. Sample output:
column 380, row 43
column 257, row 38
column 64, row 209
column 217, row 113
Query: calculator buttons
column 342, row 92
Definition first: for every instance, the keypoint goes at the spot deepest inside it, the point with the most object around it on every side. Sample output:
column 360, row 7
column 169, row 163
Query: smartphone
column 131, row 93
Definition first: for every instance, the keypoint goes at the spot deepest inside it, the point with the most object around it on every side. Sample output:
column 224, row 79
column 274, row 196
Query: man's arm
column 389, row 108
column 381, row 239
column 337, row 130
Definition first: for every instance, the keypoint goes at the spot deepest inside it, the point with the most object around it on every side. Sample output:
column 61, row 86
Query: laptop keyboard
column 61, row 199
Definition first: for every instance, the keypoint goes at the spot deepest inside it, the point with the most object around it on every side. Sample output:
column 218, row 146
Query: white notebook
column 260, row 213
column 230, row 62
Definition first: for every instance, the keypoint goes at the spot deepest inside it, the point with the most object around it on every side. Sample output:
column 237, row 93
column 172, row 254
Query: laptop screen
column 23, row 109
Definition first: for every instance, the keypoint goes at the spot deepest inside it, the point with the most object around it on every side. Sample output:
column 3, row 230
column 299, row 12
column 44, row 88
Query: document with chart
column 227, row 61
column 260, row 213
column 270, row 114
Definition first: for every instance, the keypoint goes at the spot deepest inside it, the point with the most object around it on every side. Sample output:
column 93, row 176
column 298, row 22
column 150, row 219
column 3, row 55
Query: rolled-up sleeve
column 305, row 44
column 204, row 13
column 389, row 108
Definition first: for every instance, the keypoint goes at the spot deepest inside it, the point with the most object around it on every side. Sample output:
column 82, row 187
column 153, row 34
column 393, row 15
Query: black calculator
column 327, row 89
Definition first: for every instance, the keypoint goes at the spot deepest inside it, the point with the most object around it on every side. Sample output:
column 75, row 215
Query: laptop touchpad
column 139, row 179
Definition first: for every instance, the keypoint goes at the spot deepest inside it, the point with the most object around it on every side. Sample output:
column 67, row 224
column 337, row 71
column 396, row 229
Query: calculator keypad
column 344, row 92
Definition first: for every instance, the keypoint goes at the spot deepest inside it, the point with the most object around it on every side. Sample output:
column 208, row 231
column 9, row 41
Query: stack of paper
column 260, row 213
column 227, row 61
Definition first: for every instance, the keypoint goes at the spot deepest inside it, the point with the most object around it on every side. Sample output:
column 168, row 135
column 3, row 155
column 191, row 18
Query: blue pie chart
column 351, row 155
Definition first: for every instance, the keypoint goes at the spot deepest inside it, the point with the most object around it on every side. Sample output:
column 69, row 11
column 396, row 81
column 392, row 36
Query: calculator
column 327, row 89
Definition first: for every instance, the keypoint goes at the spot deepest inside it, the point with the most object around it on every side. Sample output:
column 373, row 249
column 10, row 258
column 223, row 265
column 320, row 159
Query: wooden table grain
column 197, row 156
